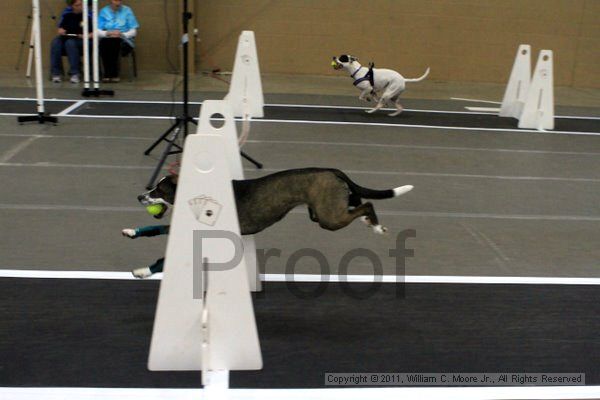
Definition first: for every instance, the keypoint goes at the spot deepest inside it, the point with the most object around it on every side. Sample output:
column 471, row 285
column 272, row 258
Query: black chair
column 130, row 56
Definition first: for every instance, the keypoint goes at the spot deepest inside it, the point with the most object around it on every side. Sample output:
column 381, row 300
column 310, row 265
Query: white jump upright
column 245, row 90
column 530, row 100
column 538, row 111
column 204, row 317
column 247, row 101
column 518, row 84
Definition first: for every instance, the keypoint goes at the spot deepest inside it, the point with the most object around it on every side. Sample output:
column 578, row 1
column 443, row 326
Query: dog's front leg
column 379, row 105
column 365, row 95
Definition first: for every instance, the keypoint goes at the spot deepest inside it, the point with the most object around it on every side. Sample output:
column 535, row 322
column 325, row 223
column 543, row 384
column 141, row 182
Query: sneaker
column 105, row 80
column 56, row 79
column 115, row 80
column 75, row 78
column 130, row 233
column 142, row 273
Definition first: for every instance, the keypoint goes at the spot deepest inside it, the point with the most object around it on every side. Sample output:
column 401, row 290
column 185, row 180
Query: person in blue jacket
column 117, row 28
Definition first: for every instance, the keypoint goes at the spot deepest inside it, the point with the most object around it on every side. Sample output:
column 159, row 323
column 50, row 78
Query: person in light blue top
column 117, row 27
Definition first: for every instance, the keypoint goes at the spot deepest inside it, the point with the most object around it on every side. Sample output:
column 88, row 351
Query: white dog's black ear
column 344, row 58
column 352, row 58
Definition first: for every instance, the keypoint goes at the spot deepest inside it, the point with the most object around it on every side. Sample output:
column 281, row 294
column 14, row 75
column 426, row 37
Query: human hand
column 62, row 32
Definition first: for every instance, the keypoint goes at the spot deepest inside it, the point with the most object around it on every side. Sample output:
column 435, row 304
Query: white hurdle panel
column 538, row 112
column 515, row 94
column 215, row 332
column 245, row 90
column 530, row 100
column 247, row 101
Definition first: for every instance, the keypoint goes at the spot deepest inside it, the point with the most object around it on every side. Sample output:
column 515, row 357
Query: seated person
column 69, row 41
column 117, row 27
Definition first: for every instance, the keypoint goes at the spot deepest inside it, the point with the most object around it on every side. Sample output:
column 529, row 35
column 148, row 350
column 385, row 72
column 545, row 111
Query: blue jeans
column 73, row 48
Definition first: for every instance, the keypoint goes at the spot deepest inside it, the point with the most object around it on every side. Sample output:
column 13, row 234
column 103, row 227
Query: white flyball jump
column 245, row 90
column 205, row 317
column 529, row 99
column 538, row 112
column 518, row 84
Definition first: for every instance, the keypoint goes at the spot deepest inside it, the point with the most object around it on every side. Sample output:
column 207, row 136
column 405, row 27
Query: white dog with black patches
column 382, row 85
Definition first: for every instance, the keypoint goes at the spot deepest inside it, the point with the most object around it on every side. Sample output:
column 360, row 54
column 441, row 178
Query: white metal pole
column 30, row 57
column 95, row 47
column 86, row 46
column 39, row 84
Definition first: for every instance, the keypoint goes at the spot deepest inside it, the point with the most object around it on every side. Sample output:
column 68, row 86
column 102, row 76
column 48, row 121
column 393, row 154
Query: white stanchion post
column 247, row 101
column 538, row 112
column 31, row 50
column 86, row 46
column 215, row 333
column 39, row 84
column 517, row 88
column 95, row 47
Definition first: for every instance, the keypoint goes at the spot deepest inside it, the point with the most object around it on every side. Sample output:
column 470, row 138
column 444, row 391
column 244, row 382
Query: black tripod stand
column 181, row 122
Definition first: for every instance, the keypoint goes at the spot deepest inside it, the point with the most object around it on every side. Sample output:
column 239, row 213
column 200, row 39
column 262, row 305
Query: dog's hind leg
column 343, row 219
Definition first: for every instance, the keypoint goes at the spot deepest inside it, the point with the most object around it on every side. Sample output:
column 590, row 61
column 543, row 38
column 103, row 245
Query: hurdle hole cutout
column 217, row 120
column 203, row 162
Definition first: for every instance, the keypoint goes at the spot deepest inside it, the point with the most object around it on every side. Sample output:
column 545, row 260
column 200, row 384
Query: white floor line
column 410, row 146
column 290, row 106
column 358, row 172
column 62, row 207
column 496, row 280
column 74, row 106
column 301, row 210
column 13, row 151
column 323, row 143
column 453, row 128
column 447, row 175
column 78, row 166
column 285, row 121
column 346, row 393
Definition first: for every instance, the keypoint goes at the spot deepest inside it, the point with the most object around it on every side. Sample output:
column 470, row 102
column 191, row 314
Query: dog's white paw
column 130, row 233
column 371, row 111
column 142, row 273
column 395, row 113
column 380, row 230
column 365, row 220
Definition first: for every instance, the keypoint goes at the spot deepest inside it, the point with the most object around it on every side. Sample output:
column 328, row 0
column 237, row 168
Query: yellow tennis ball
column 154, row 209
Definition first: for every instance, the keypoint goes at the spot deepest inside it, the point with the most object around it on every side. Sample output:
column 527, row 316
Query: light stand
column 181, row 122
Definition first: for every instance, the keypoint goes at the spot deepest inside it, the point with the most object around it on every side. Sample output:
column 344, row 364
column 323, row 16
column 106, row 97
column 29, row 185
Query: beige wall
column 461, row 40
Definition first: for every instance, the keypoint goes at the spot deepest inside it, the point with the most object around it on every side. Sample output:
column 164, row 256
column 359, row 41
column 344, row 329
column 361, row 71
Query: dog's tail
column 419, row 79
column 367, row 193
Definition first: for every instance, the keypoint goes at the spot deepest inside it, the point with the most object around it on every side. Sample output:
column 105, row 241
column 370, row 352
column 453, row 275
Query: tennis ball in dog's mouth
column 154, row 209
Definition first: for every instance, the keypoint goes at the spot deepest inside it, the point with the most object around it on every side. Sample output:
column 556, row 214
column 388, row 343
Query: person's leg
column 109, row 52
column 72, row 48
column 56, row 50
column 147, row 272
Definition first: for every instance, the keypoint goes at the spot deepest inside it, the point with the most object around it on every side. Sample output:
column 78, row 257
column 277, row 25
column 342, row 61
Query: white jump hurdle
column 247, row 101
column 528, row 99
column 204, row 317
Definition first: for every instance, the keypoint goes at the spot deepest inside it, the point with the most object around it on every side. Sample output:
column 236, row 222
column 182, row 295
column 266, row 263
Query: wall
column 461, row 40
